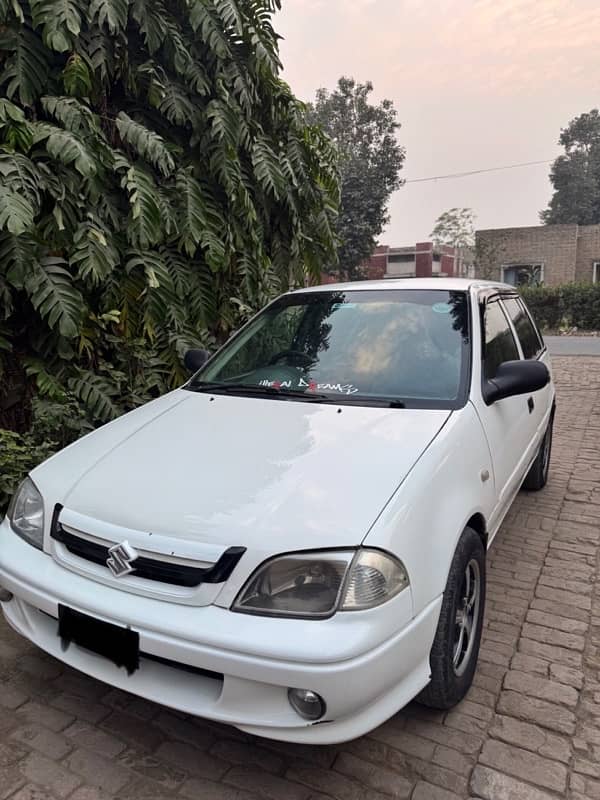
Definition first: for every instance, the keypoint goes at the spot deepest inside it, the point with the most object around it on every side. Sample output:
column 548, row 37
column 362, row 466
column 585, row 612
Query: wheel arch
column 478, row 523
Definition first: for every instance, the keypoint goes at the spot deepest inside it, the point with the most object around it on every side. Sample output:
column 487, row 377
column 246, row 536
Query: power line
column 479, row 171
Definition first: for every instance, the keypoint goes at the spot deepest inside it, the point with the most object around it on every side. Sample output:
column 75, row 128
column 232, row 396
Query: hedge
column 572, row 305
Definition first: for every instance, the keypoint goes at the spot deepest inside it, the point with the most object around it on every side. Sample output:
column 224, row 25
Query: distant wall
column 553, row 246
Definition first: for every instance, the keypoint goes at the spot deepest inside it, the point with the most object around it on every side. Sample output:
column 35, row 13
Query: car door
column 532, row 348
column 507, row 422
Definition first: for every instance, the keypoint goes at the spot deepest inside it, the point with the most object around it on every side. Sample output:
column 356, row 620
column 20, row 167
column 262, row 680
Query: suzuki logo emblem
column 120, row 559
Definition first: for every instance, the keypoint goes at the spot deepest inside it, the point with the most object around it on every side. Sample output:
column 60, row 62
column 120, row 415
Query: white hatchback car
column 294, row 541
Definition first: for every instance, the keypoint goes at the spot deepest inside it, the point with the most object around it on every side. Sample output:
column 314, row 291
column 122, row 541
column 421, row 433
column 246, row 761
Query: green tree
column 370, row 162
column 455, row 227
column 158, row 183
column 575, row 175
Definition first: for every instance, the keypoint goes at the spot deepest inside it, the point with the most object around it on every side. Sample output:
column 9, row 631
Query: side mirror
column 194, row 359
column 515, row 377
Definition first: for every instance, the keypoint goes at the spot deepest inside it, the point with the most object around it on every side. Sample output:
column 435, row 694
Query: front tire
column 455, row 648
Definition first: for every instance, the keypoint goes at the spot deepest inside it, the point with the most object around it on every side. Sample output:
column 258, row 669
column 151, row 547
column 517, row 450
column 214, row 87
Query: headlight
column 374, row 578
column 316, row 585
column 26, row 513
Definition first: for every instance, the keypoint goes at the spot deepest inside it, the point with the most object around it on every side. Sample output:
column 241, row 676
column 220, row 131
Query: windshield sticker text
column 312, row 386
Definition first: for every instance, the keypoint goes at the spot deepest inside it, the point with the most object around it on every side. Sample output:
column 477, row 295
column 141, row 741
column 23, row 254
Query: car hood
column 266, row 474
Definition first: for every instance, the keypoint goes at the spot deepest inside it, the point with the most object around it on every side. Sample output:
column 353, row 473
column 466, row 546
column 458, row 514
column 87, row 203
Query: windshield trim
column 291, row 298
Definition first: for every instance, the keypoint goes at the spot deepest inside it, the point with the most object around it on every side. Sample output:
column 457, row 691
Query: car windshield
column 406, row 347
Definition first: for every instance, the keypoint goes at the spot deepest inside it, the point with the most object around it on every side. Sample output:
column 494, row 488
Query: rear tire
column 537, row 477
column 455, row 648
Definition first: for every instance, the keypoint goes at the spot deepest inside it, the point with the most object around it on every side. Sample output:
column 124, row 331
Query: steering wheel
column 294, row 355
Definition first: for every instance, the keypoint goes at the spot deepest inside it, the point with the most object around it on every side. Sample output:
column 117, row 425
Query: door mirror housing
column 514, row 378
column 193, row 360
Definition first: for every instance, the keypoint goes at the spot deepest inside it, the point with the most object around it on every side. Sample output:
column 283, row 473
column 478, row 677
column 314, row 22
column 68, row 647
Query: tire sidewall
column 546, row 466
column 456, row 686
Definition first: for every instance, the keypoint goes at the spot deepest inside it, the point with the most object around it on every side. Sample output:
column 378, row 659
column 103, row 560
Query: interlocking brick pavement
column 529, row 728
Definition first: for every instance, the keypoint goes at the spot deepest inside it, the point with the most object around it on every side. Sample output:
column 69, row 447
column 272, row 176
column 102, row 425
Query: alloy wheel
column 467, row 614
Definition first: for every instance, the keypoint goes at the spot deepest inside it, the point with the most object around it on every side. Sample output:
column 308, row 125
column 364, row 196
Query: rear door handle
column 530, row 405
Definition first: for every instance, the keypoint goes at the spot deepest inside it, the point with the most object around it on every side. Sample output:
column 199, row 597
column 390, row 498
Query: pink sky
column 476, row 83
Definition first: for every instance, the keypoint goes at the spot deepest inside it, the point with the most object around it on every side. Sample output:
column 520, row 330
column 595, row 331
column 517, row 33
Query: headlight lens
column 375, row 577
column 297, row 585
column 316, row 585
column 26, row 513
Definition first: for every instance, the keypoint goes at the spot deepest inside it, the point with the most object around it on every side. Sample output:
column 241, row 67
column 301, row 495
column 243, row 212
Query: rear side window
column 528, row 336
column 500, row 345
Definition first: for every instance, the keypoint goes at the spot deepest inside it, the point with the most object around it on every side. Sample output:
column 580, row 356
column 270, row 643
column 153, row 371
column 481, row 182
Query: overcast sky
column 476, row 83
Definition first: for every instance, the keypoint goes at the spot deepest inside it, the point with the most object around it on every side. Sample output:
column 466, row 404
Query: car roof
column 448, row 284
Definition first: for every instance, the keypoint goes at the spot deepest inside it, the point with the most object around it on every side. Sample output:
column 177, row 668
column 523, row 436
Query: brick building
column 551, row 254
column 423, row 260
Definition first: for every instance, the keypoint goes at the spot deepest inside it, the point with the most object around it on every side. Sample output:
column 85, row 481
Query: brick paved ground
column 528, row 730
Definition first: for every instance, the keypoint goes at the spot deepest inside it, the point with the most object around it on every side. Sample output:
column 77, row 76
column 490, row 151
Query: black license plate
column 119, row 645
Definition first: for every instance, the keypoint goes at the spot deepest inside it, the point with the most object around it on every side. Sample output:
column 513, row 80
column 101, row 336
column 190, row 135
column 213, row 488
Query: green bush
column 19, row 453
column 573, row 305
column 55, row 424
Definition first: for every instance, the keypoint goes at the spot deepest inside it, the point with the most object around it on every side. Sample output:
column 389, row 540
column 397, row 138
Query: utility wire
column 478, row 171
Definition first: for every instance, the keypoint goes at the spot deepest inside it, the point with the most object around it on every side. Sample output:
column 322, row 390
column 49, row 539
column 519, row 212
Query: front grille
column 149, row 568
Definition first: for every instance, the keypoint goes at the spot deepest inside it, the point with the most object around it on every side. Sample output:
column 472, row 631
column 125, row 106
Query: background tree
column 488, row 259
column 370, row 163
column 158, row 183
column 455, row 227
column 575, row 175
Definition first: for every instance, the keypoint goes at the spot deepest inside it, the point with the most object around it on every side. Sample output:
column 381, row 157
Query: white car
column 294, row 542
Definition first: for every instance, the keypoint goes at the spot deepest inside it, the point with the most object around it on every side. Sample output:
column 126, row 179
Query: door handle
column 530, row 405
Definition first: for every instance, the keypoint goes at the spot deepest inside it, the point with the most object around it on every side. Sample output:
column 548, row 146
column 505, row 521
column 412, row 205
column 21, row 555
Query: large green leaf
column 66, row 147
column 150, row 16
column 267, row 168
column 93, row 254
column 19, row 174
column 200, row 223
column 145, row 228
column 26, row 71
column 10, row 8
column 176, row 105
column 208, row 26
column 16, row 132
column 77, row 77
column 59, row 20
column 146, row 143
column 51, row 291
column 16, row 212
column 100, row 51
column 192, row 219
column 97, row 394
column 112, row 13
column 72, row 114
column 47, row 384
column 17, row 254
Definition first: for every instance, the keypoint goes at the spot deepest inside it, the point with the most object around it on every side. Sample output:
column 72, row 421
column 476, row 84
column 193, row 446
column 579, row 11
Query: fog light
column 308, row 704
column 5, row 595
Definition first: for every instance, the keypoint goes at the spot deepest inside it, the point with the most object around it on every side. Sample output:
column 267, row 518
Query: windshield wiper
column 367, row 400
column 294, row 394
column 250, row 389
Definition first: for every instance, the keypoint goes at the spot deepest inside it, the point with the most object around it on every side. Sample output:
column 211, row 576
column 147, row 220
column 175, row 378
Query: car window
column 528, row 336
column 407, row 345
column 276, row 337
column 500, row 345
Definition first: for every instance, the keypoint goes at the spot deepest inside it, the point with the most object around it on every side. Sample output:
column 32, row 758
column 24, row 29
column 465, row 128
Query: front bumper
column 362, row 682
